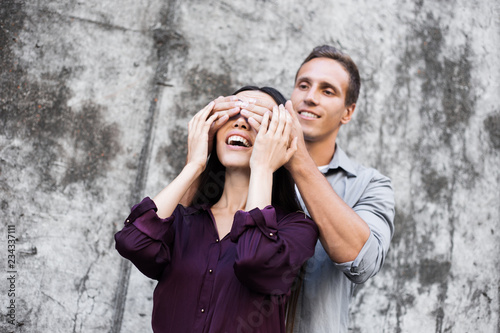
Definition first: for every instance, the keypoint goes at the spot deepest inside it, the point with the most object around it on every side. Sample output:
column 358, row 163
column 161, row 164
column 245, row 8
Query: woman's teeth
column 235, row 140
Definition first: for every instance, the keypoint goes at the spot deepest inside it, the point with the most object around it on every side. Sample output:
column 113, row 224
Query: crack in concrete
column 90, row 21
column 164, row 56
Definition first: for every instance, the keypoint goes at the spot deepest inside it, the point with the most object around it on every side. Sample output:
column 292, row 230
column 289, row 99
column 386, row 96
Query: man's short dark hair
column 330, row 52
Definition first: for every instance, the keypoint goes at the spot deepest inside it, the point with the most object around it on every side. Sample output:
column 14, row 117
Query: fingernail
column 252, row 100
column 241, row 104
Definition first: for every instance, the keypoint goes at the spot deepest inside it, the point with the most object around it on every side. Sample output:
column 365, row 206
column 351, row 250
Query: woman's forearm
column 260, row 189
column 170, row 196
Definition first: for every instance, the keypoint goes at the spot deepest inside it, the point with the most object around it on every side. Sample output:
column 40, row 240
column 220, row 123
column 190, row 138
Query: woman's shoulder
column 298, row 219
column 294, row 215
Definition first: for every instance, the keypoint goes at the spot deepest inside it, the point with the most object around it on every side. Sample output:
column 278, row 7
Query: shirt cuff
column 264, row 219
column 140, row 208
column 366, row 257
column 143, row 216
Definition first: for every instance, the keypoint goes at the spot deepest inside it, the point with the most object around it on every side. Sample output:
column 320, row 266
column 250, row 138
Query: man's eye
column 303, row 86
column 329, row 93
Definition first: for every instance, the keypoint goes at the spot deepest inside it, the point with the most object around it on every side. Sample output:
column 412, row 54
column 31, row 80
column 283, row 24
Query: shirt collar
column 340, row 160
column 195, row 209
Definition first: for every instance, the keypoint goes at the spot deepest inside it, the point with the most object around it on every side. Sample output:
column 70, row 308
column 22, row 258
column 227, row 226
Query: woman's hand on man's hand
column 273, row 146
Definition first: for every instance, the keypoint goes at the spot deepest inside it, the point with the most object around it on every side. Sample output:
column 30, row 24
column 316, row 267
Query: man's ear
column 348, row 112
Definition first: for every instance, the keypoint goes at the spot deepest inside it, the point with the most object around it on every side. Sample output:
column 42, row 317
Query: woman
column 227, row 263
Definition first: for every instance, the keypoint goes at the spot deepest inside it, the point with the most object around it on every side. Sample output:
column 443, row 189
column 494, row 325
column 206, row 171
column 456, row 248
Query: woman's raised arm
column 198, row 147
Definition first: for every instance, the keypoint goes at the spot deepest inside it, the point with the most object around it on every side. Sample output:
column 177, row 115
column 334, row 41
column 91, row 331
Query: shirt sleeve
column 376, row 208
column 146, row 239
column 269, row 253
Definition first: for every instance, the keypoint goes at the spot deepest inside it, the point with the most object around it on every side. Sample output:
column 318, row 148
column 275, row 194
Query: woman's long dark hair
column 213, row 177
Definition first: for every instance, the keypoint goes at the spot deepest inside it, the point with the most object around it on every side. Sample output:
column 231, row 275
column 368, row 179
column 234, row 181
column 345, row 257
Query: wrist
column 300, row 163
column 194, row 168
column 261, row 170
column 260, row 189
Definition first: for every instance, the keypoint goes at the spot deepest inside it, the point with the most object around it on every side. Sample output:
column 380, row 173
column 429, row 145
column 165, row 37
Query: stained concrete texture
column 95, row 98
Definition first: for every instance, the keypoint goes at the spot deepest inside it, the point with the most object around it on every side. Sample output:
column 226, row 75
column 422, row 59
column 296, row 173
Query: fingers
column 197, row 123
column 258, row 109
column 282, row 121
column 201, row 115
column 291, row 111
column 296, row 128
column 208, row 123
column 222, row 118
column 222, row 99
column 291, row 150
column 273, row 125
column 260, row 106
column 288, row 124
column 251, row 115
column 255, row 125
column 226, row 104
column 265, row 123
column 226, row 101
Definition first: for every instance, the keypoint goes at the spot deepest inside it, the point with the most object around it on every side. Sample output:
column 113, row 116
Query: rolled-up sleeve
column 270, row 252
column 376, row 208
column 146, row 239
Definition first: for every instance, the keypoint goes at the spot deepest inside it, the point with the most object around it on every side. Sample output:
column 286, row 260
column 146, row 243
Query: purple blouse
column 205, row 284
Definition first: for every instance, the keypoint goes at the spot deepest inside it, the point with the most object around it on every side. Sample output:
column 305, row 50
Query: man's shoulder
column 358, row 170
column 370, row 172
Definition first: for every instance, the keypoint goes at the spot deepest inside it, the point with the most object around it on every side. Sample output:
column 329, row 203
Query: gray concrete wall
column 94, row 101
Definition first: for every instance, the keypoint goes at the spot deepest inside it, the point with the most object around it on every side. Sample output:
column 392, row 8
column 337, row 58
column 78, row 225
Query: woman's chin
column 236, row 164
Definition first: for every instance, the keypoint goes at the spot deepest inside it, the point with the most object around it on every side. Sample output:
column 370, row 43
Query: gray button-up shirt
column 328, row 286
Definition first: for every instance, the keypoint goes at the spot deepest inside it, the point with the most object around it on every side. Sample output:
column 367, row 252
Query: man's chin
column 309, row 134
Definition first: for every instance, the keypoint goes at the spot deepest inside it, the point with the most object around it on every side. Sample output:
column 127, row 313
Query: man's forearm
column 342, row 232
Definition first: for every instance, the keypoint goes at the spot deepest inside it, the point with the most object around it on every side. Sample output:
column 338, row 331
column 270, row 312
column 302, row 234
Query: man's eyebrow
column 325, row 84
column 303, row 79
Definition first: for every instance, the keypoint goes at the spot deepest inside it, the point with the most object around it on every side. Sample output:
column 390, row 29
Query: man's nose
column 312, row 96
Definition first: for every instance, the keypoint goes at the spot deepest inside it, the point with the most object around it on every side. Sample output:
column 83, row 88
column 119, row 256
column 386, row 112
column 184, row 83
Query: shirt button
column 217, row 240
column 128, row 221
column 271, row 234
column 202, row 310
column 210, row 271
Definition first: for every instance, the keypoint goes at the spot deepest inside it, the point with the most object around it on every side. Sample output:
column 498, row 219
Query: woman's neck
column 235, row 193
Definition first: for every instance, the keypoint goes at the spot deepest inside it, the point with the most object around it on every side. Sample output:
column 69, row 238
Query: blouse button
column 202, row 310
column 271, row 234
column 217, row 240
column 128, row 221
column 210, row 271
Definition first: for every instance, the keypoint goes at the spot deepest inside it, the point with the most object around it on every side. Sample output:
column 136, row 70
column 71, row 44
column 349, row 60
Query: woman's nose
column 241, row 122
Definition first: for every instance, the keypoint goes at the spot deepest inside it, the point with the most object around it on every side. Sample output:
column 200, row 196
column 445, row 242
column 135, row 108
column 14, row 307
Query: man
column 353, row 206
